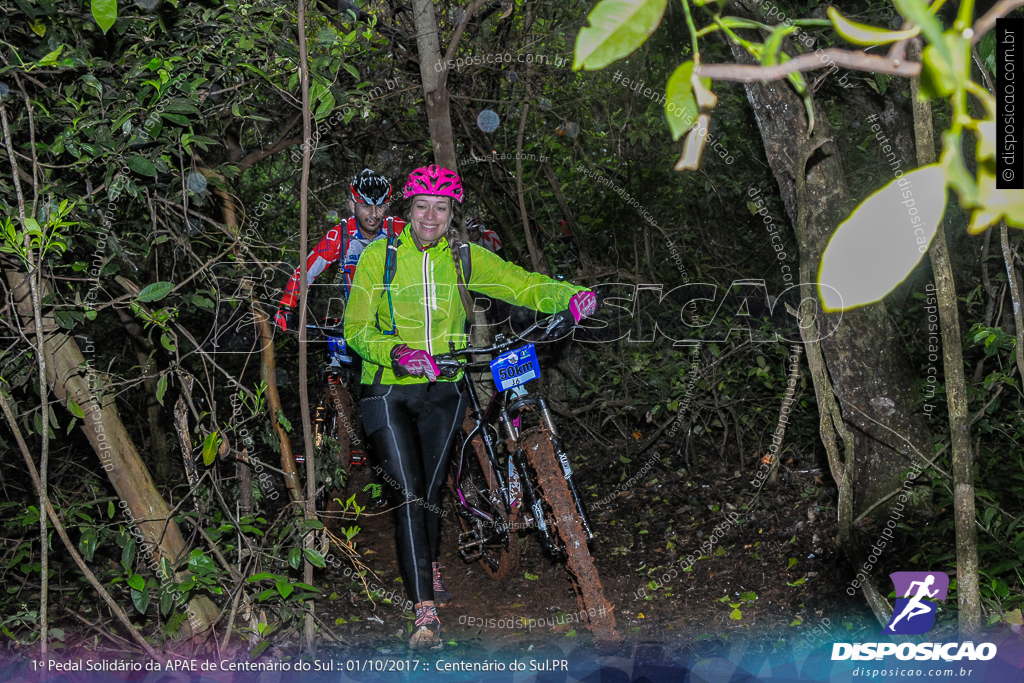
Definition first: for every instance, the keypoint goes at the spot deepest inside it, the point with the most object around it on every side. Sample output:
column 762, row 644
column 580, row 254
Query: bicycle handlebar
column 449, row 363
column 321, row 332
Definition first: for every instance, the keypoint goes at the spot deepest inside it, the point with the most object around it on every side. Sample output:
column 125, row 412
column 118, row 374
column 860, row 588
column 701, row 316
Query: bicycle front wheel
column 561, row 513
column 474, row 484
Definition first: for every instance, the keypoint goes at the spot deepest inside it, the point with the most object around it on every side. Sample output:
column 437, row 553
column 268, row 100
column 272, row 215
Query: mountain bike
column 512, row 473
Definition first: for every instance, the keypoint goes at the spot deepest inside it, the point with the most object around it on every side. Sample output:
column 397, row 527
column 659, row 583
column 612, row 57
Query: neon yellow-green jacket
column 428, row 309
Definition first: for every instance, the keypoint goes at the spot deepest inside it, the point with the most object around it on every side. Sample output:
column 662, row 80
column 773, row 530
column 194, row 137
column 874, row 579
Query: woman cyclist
column 400, row 314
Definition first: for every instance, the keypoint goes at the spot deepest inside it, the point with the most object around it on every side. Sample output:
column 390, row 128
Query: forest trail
column 771, row 598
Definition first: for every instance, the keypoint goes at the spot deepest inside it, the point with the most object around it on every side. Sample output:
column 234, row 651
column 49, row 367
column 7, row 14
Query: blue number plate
column 339, row 350
column 515, row 367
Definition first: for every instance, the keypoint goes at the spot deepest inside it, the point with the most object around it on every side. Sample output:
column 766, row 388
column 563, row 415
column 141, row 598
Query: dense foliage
column 158, row 150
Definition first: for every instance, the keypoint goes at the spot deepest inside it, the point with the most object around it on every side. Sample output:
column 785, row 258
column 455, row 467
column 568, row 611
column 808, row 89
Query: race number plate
column 339, row 350
column 515, row 367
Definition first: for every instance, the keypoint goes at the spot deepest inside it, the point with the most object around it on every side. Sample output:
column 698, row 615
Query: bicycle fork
column 563, row 459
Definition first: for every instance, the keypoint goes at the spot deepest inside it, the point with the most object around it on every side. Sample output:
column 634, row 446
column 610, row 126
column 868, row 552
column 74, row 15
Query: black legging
column 411, row 428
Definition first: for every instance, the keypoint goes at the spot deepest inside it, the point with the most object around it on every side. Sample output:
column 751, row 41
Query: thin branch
column 854, row 61
column 457, row 36
column 988, row 21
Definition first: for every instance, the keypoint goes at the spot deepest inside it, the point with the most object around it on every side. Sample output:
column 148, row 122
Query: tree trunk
column 439, row 113
column 956, row 392
column 435, row 84
column 870, row 373
column 117, row 453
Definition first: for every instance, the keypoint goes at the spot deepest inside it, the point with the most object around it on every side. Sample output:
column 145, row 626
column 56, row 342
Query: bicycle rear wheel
column 495, row 543
column 561, row 514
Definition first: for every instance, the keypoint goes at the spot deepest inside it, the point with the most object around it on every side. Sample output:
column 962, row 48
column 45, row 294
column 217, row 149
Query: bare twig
column 988, row 21
column 812, row 61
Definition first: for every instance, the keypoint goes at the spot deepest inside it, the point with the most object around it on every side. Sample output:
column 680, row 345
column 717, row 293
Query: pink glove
column 582, row 305
column 414, row 362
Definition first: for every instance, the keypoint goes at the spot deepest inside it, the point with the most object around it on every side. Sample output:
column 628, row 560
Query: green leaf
column 862, row 34
column 617, row 27
column 295, row 557
column 128, row 555
column 166, row 602
column 884, row 236
column 75, row 409
column 258, row 650
column 51, row 57
column 110, row 510
column 93, row 85
column 770, row 51
column 87, row 544
column 314, row 558
column 155, row 292
column 202, row 302
column 987, row 51
column 137, row 582
column 680, row 103
column 141, row 165
column 284, row 588
column 917, row 12
column 736, row 614
column 176, row 118
column 313, row 524
column 937, row 81
column 792, row 561
column 167, row 342
column 199, row 563
column 161, row 389
column 140, row 598
column 262, row 576
column 531, row 577
column 720, row 551
column 246, row 44
column 749, row 596
column 326, row 106
column 210, row 446
column 105, row 13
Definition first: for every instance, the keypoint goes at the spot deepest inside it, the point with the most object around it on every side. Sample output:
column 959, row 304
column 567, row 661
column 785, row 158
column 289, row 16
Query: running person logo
column 915, row 611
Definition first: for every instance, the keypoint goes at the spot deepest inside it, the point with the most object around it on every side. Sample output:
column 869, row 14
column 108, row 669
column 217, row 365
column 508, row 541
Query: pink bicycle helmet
column 434, row 180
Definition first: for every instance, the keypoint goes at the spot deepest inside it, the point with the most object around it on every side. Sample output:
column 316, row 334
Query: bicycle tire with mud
column 540, row 452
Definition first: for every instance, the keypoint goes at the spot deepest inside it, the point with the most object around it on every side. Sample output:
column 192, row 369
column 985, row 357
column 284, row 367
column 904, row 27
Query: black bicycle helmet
column 370, row 187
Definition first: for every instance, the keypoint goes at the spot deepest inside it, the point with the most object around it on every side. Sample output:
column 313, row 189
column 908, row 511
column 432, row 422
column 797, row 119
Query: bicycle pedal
column 358, row 458
column 470, row 542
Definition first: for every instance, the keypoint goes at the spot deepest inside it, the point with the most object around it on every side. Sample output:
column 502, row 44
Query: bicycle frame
column 501, row 406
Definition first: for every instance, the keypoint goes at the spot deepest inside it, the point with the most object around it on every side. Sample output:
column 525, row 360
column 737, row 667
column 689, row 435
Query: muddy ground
column 775, row 576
